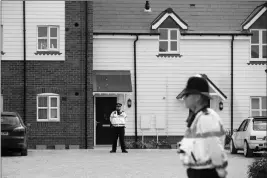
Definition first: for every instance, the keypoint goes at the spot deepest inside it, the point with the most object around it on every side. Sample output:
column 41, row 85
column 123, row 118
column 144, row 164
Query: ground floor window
column 48, row 105
column 2, row 103
column 258, row 106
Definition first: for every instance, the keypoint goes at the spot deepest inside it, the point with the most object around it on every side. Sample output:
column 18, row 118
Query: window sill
column 3, row 53
column 43, row 120
column 48, row 53
column 169, row 55
column 257, row 62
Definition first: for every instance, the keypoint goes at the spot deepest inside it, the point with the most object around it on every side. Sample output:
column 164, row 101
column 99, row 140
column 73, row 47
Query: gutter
column 86, row 71
column 232, row 83
column 132, row 34
column 218, row 34
column 24, row 61
column 135, row 89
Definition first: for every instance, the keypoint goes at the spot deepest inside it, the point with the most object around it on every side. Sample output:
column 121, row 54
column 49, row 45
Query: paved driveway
column 100, row 163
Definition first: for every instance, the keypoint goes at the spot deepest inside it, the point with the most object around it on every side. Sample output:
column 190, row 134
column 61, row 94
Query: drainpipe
column 24, row 61
column 135, row 89
column 232, row 82
column 86, row 71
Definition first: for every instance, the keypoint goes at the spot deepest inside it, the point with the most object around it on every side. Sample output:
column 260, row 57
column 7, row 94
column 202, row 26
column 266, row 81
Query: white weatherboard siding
column 37, row 13
column 159, row 80
column 12, row 20
column 249, row 80
column 44, row 13
column 112, row 54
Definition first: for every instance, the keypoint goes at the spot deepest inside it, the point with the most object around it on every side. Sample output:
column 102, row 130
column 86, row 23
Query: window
column 48, row 107
column 2, row 40
column 258, row 43
column 2, row 103
column 258, row 106
column 242, row 126
column 260, row 125
column 246, row 126
column 48, row 38
column 169, row 41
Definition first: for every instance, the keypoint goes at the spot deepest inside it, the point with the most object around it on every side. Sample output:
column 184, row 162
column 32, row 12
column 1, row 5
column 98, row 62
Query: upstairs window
column 48, row 38
column 259, row 44
column 48, row 107
column 2, row 40
column 169, row 41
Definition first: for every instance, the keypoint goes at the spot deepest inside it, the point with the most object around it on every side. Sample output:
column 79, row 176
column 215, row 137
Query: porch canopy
column 213, row 89
column 112, row 81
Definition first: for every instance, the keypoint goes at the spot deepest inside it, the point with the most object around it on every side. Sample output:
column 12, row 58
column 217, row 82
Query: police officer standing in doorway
column 118, row 119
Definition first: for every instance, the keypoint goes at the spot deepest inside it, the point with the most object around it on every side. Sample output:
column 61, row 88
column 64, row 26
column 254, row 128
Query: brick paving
column 100, row 163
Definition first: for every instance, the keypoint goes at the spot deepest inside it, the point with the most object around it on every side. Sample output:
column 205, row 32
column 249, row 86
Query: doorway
column 104, row 107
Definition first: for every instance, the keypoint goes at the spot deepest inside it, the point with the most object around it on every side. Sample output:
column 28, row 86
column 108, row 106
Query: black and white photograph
column 133, row 89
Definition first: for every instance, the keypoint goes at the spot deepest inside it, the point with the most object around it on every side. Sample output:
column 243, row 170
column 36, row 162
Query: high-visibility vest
column 203, row 144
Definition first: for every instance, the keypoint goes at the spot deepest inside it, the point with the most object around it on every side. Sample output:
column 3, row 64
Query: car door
column 238, row 135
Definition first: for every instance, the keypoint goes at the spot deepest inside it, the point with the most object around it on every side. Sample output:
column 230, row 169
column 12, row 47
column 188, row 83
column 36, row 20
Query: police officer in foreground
column 118, row 119
column 202, row 148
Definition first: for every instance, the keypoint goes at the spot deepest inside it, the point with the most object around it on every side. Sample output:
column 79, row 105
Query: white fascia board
column 125, row 37
column 213, row 37
column 217, row 92
column 156, row 25
column 253, row 20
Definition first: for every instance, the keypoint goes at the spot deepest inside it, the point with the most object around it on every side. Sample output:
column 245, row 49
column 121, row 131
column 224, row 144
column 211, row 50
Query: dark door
column 104, row 107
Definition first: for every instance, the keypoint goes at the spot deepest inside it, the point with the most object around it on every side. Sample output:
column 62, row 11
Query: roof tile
column 129, row 16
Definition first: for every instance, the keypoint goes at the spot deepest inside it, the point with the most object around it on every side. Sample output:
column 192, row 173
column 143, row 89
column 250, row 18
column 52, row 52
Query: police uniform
column 118, row 119
column 202, row 148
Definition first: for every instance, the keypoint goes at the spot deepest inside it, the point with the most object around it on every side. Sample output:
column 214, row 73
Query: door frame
column 98, row 96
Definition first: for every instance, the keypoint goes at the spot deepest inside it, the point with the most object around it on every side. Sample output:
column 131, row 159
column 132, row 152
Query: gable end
column 258, row 14
column 168, row 17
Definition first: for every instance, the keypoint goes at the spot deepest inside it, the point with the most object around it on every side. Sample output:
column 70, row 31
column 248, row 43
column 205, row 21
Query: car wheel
column 247, row 151
column 24, row 152
column 233, row 150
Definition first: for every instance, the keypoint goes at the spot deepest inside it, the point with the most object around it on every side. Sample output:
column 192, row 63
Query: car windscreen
column 260, row 125
column 9, row 120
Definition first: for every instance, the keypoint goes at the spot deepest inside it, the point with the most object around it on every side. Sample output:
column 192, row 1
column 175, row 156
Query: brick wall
column 66, row 78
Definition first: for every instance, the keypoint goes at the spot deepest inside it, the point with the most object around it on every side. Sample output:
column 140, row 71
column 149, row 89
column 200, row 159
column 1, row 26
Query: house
column 46, row 70
column 64, row 65
column 158, row 45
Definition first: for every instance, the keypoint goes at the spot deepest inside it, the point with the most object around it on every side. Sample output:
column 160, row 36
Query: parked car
column 251, row 136
column 13, row 133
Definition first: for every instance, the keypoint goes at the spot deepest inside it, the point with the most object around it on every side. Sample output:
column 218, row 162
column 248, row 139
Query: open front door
column 104, row 107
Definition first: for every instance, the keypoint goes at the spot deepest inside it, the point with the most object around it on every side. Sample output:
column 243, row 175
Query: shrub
column 258, row 169
column 152, row 144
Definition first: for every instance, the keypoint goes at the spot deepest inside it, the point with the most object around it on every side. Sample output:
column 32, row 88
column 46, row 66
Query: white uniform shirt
column 118, row 119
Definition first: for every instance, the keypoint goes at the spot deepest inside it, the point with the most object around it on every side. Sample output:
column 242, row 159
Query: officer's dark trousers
column 118, row 132
column 202, row 173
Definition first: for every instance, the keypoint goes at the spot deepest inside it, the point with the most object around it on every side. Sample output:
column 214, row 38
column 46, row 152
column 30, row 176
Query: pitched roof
column 255, row 14
column 209, row 16
column 166, row 14
column 212, row 87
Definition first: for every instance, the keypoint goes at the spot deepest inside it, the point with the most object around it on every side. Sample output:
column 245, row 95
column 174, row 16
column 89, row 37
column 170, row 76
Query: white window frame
column 2, row 103
column 49, row 97
column 2, row 38
column 169, row 41
column 260, row 45
column 260, row 105
column 48, row 38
